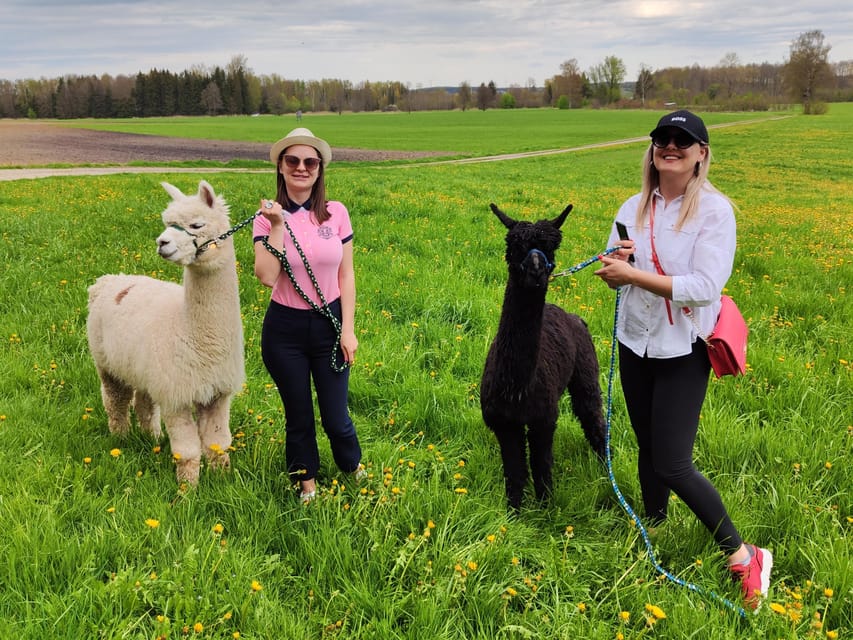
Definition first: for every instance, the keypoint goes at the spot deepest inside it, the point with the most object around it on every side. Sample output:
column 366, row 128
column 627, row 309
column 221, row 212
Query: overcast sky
column 418, row 42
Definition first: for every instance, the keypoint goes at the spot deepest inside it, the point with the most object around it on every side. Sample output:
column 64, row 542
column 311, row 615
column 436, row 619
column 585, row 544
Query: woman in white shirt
column 680, row 254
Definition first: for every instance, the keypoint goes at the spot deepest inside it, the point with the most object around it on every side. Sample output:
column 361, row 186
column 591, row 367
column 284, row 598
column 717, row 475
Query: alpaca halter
column 204, row 246
column 537, row 252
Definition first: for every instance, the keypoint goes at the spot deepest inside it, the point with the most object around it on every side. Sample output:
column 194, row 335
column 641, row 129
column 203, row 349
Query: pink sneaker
column 755, row 576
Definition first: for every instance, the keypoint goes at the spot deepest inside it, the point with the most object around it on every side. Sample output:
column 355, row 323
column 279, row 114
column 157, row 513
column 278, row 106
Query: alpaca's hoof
column 187, row 471
column 220, row 461
column 119, row 427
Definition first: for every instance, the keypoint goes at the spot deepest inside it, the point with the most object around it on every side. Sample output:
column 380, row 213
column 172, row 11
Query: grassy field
column 98, row 542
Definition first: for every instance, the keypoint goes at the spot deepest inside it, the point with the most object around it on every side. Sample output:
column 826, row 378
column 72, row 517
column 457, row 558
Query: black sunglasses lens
column 682, row 140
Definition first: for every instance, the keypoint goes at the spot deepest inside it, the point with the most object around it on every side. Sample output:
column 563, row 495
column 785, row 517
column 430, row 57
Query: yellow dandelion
column 490, row 537
column 156, row 449
column 515, row 561
column 461, row 463
column 218, row 528
column 151, row 522
column 624, row 616
column 828, row 465
column 111, row 509
column 430, row 524
column 461, row 490
column 511, row 592
column 582, row 607
column 87, row 460
column 427, row 533
column 115, row 453
column 472, row 566
column 228, row 615
column 778, row 608
column 411, row 535
column 656, row 611
column 256, row 586
column 236, row 635
column 832, row 635
column 198, row 627
column 176, row 457
column 619, row 636
column 828, row 592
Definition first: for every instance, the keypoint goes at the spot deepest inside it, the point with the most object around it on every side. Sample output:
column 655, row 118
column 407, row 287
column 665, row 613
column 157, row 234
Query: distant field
column 466, row 133
column 98, row 543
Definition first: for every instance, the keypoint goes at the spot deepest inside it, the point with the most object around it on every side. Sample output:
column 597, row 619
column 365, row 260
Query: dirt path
column 29, row 144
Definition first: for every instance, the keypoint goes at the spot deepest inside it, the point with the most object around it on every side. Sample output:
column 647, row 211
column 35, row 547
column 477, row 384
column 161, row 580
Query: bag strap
column 655, row 259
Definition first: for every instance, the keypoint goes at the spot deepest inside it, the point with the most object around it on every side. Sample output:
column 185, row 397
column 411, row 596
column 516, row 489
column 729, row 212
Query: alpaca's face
column 530, row 251
column 190, row 222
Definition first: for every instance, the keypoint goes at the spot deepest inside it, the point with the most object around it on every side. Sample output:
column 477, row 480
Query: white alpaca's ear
column 172, row 190
column 206, row 194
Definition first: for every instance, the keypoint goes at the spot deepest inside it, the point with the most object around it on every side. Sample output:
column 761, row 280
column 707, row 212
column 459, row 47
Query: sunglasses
column 310, row 163
column 682, row 140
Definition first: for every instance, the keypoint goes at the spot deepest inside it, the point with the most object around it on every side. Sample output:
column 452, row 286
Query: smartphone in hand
column 623, row 235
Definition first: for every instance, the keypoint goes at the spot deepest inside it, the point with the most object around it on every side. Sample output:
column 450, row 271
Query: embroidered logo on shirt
column 324, row 232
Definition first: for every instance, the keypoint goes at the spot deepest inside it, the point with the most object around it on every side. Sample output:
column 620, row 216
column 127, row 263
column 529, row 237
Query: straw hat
column 301, row 135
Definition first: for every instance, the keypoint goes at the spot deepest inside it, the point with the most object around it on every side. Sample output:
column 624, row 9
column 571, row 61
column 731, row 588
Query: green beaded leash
column 324, row 310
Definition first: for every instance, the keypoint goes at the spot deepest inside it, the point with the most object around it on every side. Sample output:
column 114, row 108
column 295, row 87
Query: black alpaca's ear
column 560, row 219
column 508, row 222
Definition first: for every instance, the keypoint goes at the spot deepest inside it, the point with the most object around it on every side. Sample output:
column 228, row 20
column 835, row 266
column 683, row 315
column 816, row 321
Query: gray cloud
column 421, row 42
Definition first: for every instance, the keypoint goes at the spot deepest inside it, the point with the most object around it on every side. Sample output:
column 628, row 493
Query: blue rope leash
column 649, row 550
column 624, row 503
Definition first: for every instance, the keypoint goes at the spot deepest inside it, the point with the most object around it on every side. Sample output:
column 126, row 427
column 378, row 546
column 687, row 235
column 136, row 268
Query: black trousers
column 664, row 397
column 297, row 347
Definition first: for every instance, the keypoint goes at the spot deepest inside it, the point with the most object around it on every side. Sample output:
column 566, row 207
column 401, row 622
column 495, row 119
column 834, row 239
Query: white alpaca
column 171, row 350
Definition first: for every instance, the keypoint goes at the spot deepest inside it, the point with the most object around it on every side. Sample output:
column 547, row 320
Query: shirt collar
column 292, row 207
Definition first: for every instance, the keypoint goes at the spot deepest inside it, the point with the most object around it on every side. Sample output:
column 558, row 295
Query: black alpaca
column 539, row 351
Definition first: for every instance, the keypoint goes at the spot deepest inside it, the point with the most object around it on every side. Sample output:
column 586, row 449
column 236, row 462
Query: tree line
column 806, row 77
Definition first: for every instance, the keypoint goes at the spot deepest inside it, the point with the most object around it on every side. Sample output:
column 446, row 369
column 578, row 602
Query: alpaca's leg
column 511, row 441
column 148, row 414
column 586, row 398
column 186, row 448
column 116, row 396
column 541, row 439
column 214, row 432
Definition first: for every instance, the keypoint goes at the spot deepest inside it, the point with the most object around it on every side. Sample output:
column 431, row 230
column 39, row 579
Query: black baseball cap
column 686, row 121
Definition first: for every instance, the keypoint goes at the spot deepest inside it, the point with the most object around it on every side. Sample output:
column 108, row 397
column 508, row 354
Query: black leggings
column 297, row 346
column 664, row 397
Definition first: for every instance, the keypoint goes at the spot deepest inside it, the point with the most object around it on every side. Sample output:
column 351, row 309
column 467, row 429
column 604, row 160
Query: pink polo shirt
column 322, row 246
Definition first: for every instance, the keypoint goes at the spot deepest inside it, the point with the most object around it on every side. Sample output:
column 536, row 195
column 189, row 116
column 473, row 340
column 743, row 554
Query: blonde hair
column 690, row 203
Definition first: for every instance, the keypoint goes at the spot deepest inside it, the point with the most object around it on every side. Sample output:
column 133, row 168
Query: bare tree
column 211, row 98
column 464, row 96
column 807, row 70
column 645, row 84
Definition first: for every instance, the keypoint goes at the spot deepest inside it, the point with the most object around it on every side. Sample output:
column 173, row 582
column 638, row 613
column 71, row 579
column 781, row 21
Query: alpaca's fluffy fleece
column 539, row 352
column 175, row 351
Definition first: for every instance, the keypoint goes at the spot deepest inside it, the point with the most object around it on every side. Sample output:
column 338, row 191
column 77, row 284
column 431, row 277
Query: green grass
column 428, row 550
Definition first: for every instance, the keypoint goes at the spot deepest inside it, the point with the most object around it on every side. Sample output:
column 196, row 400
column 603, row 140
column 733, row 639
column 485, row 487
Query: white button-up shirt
column 698, row 257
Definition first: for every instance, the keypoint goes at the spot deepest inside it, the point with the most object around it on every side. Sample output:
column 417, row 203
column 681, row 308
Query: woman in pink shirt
column 681, row 251
column 303, row 251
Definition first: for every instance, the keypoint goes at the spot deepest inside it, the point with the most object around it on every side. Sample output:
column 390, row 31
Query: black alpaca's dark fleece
column 538, row 353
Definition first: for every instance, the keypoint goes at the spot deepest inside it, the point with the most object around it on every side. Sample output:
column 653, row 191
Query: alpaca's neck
column 520, row 329
column 212, row 300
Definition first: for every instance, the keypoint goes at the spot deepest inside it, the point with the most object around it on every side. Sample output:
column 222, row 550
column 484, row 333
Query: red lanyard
column 655, row 260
